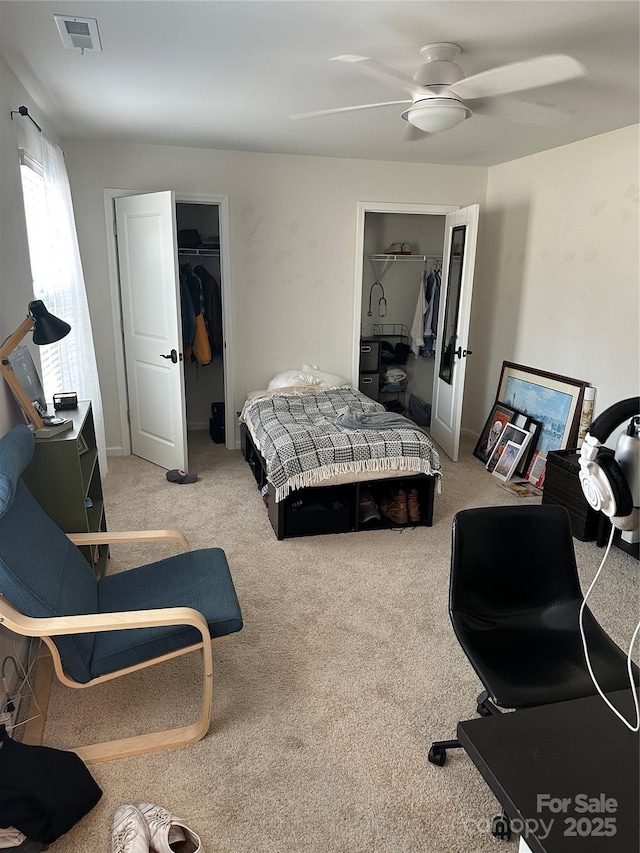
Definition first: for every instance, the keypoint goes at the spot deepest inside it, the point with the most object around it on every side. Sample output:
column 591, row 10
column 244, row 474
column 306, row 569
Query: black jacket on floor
column 43, row 791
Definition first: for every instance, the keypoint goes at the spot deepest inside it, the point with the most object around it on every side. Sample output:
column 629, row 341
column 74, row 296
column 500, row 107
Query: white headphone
column 602, row 479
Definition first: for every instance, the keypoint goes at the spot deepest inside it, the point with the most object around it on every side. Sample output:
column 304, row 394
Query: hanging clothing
column 417, row 327
column 198, row 349
column 188, row 313
column 201, row 351
column 430, row 331
column 212, row 300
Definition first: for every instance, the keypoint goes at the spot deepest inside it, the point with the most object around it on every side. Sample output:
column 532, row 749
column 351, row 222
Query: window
column 68, row 364
column 39, row 252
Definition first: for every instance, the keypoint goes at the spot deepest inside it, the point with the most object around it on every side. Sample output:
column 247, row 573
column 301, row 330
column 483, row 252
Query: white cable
column 26, row 673
column 22, row 723
column 636, row 727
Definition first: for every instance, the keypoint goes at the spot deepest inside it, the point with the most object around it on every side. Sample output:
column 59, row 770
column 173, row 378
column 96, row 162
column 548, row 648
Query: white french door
column 461, row 236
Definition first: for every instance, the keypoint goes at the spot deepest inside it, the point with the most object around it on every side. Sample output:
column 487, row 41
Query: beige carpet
column 326, row 703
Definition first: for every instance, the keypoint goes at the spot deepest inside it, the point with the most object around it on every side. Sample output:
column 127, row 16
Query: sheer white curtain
column 69, row 364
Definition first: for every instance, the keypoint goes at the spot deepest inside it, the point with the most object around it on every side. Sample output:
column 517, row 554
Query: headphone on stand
column 603, row 480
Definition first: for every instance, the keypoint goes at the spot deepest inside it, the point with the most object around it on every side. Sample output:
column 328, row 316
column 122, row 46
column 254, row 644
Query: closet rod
column 405, row 257
column 23, row 111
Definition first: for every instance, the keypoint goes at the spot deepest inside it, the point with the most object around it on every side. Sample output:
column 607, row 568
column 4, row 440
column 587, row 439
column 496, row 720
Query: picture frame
column 534, row 426
column 506, row 464
column 499, row 417
column 511, row 433
column 552, row 399
column 537, row 468
column 26, row 373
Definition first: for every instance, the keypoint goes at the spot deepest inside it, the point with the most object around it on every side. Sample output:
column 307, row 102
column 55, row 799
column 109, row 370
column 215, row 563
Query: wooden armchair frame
column 46, row 628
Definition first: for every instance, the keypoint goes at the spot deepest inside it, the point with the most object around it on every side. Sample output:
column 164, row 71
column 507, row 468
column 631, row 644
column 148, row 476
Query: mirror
column 452, row 305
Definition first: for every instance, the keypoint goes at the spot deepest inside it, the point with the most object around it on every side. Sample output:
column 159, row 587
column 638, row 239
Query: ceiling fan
column 441, row 94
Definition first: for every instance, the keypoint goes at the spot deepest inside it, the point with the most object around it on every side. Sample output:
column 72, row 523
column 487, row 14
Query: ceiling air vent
column 78, row 33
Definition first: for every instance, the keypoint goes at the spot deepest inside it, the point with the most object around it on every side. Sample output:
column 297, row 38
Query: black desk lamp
column 46, row 329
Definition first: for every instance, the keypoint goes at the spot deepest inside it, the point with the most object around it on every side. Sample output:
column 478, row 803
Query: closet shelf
column 422, row 258
column 208, row 253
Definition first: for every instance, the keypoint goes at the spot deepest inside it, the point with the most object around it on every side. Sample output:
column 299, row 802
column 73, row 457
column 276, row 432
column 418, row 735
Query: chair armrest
column 125, row 536
column 52, row 626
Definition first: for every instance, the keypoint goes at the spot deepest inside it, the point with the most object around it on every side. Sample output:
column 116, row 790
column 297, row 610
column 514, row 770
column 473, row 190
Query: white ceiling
column 228, row 74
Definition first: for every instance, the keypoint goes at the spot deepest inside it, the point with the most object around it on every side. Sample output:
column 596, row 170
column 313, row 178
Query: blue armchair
column 97, row 630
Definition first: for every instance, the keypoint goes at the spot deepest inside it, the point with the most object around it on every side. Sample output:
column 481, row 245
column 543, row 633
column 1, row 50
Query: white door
column 150, row 286
column 461, row 235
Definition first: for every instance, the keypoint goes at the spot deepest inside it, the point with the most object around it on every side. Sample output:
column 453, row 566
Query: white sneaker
column 129, row 831
column 168, row 833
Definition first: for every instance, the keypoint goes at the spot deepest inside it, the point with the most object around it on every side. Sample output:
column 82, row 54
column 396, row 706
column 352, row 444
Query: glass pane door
column 452, row 305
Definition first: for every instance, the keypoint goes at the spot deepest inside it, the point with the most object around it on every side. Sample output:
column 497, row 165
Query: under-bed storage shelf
column 332, row 509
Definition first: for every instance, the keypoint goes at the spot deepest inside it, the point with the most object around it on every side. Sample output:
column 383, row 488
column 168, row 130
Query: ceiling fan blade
column 377, row 69
column 345, row 109
column 526, row 112
column 529, row 74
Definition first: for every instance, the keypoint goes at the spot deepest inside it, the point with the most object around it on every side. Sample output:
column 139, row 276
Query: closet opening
column 198, row 228
column 402, row 260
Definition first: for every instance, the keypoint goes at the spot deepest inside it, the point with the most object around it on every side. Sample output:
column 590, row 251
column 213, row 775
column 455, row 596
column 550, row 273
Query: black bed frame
column 331, row 509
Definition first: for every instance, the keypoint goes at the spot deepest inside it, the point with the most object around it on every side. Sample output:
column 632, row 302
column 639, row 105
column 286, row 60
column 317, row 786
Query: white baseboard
column 114, row 451
column 469, row 433
column 198, row 425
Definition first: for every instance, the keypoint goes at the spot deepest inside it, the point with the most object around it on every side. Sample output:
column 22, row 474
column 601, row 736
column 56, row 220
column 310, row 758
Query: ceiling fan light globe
column 436, row 117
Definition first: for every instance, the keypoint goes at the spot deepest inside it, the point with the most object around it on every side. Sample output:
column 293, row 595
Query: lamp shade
column 47, row 329
column 436, row 114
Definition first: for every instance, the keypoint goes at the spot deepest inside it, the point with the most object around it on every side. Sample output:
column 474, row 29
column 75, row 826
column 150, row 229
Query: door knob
column 462, row 353
column 173, row 355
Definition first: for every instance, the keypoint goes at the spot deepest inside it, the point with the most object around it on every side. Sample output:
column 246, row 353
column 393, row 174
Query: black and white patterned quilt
column 301, row 444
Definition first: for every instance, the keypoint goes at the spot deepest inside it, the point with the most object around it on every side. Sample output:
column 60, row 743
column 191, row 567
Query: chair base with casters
column 100, row 630
column 517, row 620
column 438, row 751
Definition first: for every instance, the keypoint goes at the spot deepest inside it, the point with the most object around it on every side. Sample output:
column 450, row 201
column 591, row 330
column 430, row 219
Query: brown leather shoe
column 395, row 508
column 413, row 506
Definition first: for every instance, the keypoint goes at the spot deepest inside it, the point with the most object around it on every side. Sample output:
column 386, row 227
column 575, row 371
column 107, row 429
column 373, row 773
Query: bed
column 312, row 472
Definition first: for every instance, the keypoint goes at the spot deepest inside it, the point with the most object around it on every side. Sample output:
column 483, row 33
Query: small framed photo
column 511, row 433
column 535, row 428
column 506, row 464
column 500, row 416
column 537, row 468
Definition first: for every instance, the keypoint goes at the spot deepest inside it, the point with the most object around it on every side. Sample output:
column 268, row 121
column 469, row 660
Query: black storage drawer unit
column 369, row 355
column 369, row 384
column 562, row 487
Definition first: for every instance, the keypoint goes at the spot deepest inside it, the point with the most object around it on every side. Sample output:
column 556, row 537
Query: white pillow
column 324, row 380
column 309, row 375
column 291, row 377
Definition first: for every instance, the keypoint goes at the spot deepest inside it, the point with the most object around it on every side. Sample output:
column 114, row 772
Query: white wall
column 15, row 271
column 558, row 282
column 16, row 289
column 293, row 243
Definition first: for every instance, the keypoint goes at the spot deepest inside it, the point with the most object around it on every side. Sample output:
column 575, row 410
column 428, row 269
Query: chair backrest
column 41, row 572
column 509, row 559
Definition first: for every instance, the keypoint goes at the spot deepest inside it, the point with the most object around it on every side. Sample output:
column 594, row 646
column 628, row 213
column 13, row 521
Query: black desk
column 564, row 749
